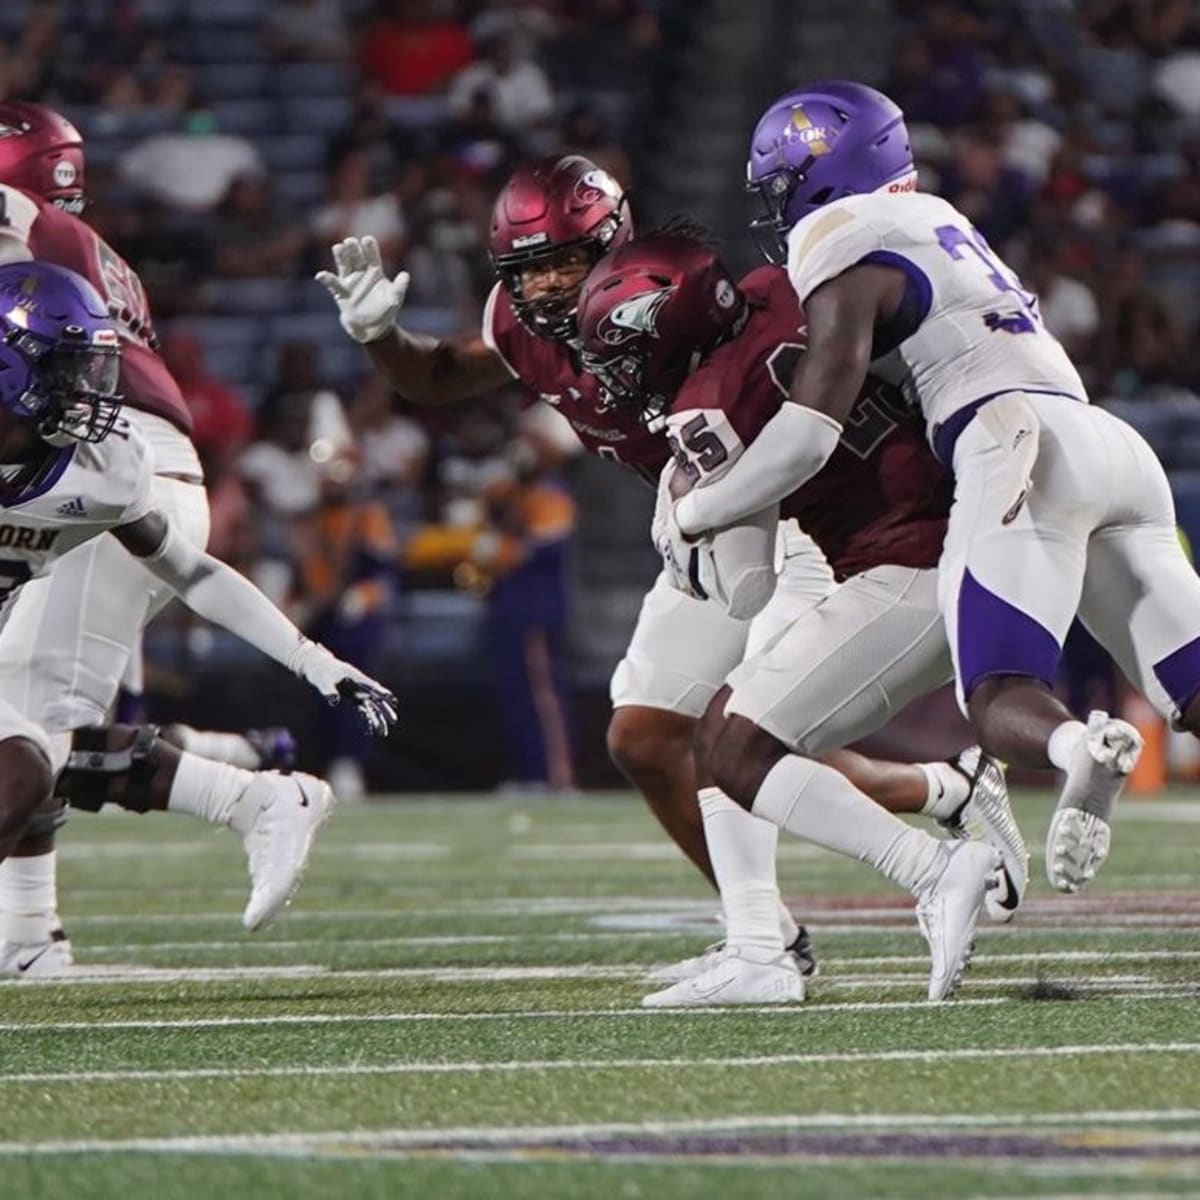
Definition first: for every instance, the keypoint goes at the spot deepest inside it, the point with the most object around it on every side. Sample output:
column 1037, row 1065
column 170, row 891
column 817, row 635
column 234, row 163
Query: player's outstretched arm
column 218, row 593
column 423, row 369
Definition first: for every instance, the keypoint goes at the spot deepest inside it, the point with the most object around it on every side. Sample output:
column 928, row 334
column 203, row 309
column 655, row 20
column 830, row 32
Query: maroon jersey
column 551, row 371
column 55, row 236
column 881, row 498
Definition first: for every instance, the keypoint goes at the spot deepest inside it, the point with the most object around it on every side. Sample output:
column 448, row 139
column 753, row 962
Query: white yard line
column 386, row 1140
column 966, row 1054
column 564, row 1014
column 800, row 1011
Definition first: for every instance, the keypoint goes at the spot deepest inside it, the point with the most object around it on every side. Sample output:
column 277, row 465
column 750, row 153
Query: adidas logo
column 72, row 508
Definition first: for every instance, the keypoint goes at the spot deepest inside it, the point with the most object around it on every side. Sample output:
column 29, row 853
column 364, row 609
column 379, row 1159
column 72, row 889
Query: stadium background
column 229, row 142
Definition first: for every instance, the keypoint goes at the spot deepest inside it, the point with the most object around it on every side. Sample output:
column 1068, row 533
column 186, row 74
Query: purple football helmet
column 59, row 353
column 818, row 143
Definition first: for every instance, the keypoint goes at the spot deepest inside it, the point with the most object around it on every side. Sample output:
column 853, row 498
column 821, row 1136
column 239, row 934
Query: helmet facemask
column 551, row 312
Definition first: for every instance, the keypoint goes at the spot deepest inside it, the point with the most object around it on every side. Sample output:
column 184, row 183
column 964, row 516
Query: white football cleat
column 949, row 909
column 278, row 816
column 987, row 814
column 800, row 949
column 37, row 960
column 1080, row 833
column 736, row 978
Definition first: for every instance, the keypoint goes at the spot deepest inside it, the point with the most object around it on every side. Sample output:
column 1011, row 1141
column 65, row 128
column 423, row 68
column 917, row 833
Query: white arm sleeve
column 17, row 215
column 218, row 593
column 792, row 447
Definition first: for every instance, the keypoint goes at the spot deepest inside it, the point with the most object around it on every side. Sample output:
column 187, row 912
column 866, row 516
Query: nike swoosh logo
column 941, row 789
column 303, row 794
column 24, row 966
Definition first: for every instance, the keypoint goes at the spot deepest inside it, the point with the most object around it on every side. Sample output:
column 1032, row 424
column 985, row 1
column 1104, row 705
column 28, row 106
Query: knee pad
column 92, row 767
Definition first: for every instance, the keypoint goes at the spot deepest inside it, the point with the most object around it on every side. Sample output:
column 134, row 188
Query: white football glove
column 338, row 681
column 368, row 302
column 680, row 556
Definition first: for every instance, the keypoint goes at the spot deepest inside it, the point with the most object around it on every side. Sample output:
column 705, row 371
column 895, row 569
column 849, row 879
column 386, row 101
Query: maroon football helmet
column 547, row 207
column 649, row 312
column 41, row 152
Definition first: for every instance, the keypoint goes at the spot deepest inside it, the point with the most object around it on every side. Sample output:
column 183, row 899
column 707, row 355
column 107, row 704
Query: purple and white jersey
column 966, row 329
column 78, row 493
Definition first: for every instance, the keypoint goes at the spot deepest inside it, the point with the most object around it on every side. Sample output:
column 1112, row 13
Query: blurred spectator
column 1141, row 342
column 278, row 469
column 393, row 448
column 528, row 613
column 192, row 168
column 345, row 553
column 516, row 87
column 584, row 131
column 479, row 144
column 979, row 183
column 1067, row 304
column 356, row 207
column 252, row 235
column 307, row 29
column 222, row 423
column 413, row 47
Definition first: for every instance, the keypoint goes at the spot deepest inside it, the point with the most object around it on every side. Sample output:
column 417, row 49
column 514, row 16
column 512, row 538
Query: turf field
column 451, row 1010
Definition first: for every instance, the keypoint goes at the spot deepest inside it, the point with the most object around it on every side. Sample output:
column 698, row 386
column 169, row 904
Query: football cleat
column 275, row 747
column 987, row 814
column 800, row 949
column 278, row 817
column 736, row 978
column 39, row 959
column 1080, row 832
column 948, row 911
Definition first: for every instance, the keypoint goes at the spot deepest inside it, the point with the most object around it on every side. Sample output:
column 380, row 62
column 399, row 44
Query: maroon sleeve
column 499, row 323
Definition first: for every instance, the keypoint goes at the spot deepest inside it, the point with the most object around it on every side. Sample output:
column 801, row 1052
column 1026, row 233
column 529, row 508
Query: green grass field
column 451, row 1010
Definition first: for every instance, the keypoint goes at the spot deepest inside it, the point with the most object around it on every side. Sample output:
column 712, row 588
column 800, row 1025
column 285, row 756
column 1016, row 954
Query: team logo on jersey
column 633, row 317
column 64, row 173
column 801, row 129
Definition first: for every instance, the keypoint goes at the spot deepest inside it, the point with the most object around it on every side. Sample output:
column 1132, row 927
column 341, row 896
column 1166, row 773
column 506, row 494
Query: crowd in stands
column 230, row 143
column 1070, row 133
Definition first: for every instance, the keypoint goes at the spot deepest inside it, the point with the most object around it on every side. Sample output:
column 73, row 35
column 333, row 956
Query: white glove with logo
column 368, row 302
column 679, row 555
column 337, row 681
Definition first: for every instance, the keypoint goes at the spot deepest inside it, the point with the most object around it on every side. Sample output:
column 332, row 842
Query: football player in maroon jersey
column 553, row 220
column 674, row 339
column 78, row 627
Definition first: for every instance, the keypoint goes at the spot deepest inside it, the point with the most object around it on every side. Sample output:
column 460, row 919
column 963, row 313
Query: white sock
column 948, row 789
column 28, row 899
column 742, row 850
column 815, row 802
column 229, row 748
column 206, row 789
column 1063, row 741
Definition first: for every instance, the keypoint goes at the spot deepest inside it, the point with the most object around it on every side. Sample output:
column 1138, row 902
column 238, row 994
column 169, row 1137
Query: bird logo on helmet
column 60, row 353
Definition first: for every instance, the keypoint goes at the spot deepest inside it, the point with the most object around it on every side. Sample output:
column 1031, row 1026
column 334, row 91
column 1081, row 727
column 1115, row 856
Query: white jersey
column 967, row 329
column 82, row 491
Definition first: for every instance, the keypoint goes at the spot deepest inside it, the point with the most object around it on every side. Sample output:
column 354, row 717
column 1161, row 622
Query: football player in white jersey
column 1059, row 507
column 71, row 470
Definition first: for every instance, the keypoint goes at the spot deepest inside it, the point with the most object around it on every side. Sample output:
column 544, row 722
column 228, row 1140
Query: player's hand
column 368, row 301
column 680, row 555
column 338, row 681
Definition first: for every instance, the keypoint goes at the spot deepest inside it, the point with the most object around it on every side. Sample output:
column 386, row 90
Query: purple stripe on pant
column 996, row 638
column 1179, row 673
